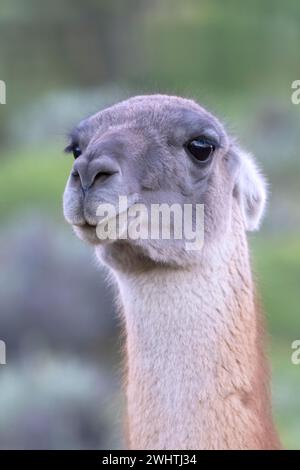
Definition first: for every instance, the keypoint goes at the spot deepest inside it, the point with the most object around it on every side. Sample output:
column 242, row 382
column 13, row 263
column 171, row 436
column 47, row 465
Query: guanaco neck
column 196, row 375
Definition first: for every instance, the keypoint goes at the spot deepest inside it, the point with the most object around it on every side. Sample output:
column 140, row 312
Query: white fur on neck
column 191, row 357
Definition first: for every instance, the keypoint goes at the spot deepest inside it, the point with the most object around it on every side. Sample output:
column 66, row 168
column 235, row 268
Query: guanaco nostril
column 103, row 176
column 94, row 172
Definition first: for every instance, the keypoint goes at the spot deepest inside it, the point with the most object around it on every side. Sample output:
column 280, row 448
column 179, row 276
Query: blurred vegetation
column 48, row 170
column 62, row 60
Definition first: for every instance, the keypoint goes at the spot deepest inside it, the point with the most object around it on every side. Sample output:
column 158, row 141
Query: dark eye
column 201, row 149
column 76, row 151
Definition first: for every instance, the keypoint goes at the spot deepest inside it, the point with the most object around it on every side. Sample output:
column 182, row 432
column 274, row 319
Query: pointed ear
column 250, row 190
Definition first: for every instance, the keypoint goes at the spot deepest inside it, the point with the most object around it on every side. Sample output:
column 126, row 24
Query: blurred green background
column 62, row 60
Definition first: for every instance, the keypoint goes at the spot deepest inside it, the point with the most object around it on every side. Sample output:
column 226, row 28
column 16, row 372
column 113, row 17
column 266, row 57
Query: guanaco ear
column 250, row 190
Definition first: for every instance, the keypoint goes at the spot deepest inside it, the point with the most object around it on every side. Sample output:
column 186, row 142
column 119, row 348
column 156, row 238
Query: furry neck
column 196, row 376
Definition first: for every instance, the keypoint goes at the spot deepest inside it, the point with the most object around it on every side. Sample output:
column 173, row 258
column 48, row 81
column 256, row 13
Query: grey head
column 159, row 149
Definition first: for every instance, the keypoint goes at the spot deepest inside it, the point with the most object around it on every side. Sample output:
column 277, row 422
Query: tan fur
column 197, row 377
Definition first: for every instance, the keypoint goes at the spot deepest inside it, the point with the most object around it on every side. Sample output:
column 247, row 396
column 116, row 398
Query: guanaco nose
column 97, row 170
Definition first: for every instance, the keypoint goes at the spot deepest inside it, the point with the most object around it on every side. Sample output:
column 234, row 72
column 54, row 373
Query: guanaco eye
column 76, row 151
column 201, row 149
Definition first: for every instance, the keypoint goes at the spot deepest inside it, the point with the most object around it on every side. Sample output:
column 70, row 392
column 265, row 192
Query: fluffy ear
column 250, row 190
